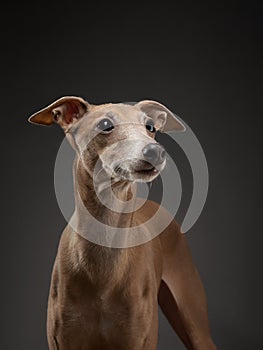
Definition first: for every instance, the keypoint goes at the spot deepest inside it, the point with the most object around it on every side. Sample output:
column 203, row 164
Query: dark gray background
column 204, row 63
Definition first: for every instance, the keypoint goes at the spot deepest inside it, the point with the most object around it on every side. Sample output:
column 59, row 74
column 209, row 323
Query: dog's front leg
column 181, row 295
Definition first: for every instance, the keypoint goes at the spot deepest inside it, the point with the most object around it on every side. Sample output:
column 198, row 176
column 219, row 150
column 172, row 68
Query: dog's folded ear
column 164, row 119
column 64, row 111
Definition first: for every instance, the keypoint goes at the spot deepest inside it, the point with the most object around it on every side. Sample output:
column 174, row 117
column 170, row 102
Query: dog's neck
column 97, row 197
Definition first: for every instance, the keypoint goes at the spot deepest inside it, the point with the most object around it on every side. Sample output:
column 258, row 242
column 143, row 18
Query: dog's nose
column 153, row 153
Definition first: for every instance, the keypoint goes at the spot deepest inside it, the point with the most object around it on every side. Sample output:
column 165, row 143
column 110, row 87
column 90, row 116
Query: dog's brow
column 110, row 114
column 143, row 116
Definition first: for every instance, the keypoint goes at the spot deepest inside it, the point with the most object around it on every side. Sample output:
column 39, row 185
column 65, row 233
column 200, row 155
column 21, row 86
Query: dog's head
column 120, row 136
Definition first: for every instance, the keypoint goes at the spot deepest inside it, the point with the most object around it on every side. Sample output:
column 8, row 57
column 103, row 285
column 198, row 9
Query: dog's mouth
column 142, row 171
column 145, row 169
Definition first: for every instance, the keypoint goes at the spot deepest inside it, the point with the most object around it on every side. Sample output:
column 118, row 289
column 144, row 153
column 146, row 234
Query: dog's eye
column 105, row 125
column 150, row 126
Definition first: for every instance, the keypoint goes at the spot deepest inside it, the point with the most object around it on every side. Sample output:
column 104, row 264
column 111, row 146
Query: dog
column 106, row 296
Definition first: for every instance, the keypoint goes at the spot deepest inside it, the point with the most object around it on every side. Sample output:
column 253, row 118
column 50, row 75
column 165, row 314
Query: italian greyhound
column 105, row 296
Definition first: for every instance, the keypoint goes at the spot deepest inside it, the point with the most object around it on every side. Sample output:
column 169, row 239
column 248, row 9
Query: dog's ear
column 164, row 119
column 65, row 111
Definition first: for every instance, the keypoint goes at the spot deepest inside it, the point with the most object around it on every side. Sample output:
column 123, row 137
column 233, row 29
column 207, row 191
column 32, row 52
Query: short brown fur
column 104, row 298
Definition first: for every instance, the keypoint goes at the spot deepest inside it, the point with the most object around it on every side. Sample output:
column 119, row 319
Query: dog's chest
column 105, row 295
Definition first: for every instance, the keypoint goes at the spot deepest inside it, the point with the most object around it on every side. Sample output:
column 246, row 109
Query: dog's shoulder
column 171, row 231
column 151, row 208
column 158, row 217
